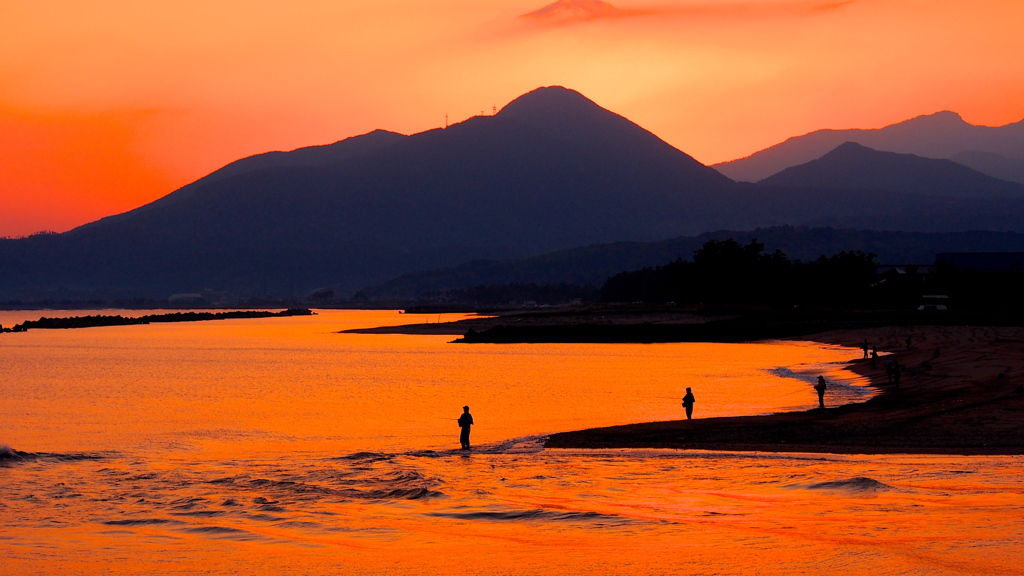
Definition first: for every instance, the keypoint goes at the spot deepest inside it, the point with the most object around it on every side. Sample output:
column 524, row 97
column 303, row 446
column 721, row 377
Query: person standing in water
column 864, row 347
column 465, row 421
column 688, row 401
column 820, row 389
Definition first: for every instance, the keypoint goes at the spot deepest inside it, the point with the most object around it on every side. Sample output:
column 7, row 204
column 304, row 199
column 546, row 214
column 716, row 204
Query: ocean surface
column 279, row 446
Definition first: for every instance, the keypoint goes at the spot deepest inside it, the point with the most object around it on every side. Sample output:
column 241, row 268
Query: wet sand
column 957, row 396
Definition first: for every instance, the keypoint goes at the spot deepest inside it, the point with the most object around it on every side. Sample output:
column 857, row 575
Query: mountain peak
column 854, row 166
column 576, row 10
column 943, row 119
column 850, row 148
column 548, row 100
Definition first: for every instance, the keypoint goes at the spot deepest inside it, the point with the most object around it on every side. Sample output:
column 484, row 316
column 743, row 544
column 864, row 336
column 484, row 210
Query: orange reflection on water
column 281, row 447
column 294, row 384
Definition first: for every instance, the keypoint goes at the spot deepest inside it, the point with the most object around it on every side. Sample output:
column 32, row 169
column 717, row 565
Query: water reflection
column 280, row 447
column 288, row 385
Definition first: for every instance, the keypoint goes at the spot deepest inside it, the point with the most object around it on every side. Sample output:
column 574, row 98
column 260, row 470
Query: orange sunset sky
column 108, row 104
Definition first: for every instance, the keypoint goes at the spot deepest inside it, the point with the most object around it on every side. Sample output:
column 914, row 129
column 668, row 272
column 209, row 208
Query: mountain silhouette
column 566, row 10
column 852, row 166
column 552, row 170
column 347, row 150
column 940, row 135
column 994, row 165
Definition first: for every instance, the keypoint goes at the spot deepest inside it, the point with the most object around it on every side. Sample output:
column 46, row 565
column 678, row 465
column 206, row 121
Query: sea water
column 279, row 446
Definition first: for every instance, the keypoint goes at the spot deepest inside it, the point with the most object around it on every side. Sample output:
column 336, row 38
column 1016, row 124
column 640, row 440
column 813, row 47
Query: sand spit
column 961, row 393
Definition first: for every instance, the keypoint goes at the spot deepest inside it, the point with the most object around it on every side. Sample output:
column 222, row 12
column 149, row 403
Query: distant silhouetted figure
column 874, row 357
column 896, row 372
column 688, row 401
column 889, row 361
column 465, row 421
column 820, row 389
column 908, row 340
column 864, row 346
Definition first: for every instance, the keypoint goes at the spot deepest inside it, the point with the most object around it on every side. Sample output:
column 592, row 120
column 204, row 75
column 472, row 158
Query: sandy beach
column 959, row 394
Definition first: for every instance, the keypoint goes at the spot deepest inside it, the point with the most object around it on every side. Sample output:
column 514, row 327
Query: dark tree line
column 727, row 272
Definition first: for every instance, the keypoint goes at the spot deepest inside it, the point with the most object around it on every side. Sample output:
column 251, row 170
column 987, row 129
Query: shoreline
column 960, row 395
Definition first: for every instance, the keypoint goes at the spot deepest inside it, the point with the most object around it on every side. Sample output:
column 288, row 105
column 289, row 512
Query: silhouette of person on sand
column 864, row 347
column 888, row 367
column 896, row 372
column 874, row 357
column 820, row 389
column 688, row 401
column 465, row 421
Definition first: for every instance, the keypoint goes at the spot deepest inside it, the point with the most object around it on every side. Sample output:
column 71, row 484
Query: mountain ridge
column 939, row 135
column 854, row 166
column 553, row 170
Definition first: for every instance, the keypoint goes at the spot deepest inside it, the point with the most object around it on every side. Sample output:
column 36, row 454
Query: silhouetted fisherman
column 688, row 401
column 874, row 357
column 465, row 421
column 820, row 389
column 864, row 347
column 896, row 372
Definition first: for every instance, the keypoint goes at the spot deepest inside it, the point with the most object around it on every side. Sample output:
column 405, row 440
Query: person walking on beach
column 465, row 421
column 888, row 367
column 874, row 357
column 820, row 389
column 864, row 347
column 688, row 401
column 896, row 372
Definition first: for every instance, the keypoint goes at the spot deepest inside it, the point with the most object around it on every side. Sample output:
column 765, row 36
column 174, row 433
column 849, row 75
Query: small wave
column 367, row 457
column 395, row 494
column 226, row 532
column 266, row 517
column 216, row 530
column 522, row 445
column 859, row 484
column 9, row 455
column 140, row 522
column 402, row 477
column 200, row 513
column 846, row 387
column 527, row 515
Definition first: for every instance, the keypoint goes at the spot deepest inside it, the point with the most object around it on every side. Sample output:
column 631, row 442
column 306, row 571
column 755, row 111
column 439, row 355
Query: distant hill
column 853, row 166
column 552, row 170
column 594, row 264
column 1009, row 169
column 940, row 135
